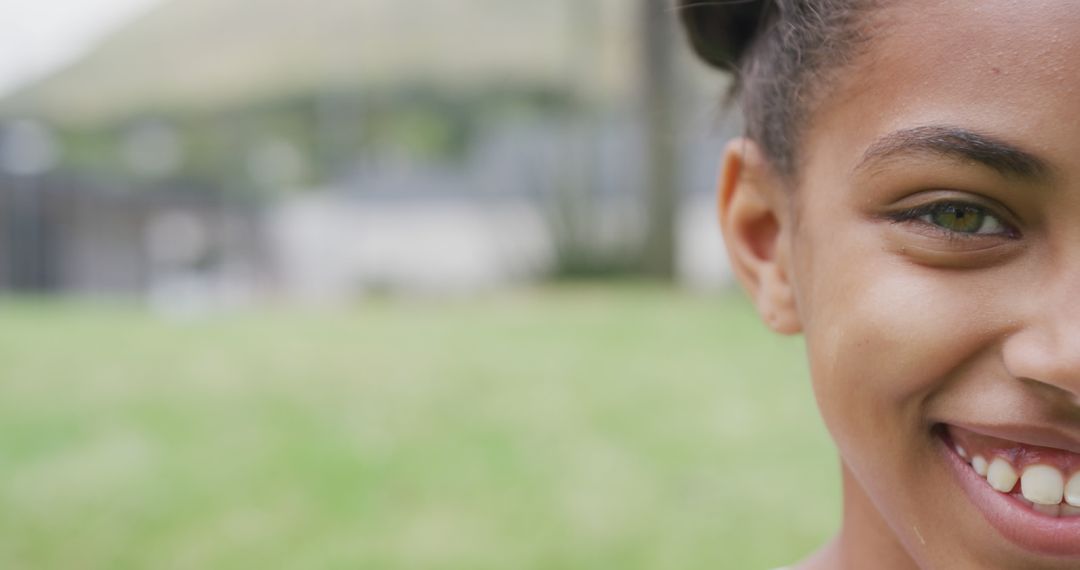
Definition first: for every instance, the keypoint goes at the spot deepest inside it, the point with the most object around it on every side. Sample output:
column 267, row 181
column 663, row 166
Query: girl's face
column 934, row 266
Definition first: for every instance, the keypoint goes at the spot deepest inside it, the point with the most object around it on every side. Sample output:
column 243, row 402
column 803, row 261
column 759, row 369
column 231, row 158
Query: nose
column 1046, row 349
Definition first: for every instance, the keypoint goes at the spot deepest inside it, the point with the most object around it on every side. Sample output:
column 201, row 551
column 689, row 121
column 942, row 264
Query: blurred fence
column 67, row 234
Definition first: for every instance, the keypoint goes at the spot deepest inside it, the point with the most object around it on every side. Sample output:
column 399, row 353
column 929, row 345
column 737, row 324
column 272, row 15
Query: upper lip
column 1035, row 435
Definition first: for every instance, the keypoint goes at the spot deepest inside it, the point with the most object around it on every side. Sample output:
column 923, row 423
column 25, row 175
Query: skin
column 909, row 325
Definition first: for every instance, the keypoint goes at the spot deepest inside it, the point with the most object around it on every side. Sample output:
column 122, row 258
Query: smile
column 1045, row 479
column 1028, row 490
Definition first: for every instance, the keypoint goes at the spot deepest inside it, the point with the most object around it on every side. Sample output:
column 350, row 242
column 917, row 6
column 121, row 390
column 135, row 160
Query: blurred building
column 325, row 149
column 171, row 243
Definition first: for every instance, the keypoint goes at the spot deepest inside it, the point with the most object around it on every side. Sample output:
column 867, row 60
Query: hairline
column 782, row 132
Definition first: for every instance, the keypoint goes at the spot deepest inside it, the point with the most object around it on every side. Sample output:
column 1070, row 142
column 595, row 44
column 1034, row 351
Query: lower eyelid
column 948, row 234
column 935, row 246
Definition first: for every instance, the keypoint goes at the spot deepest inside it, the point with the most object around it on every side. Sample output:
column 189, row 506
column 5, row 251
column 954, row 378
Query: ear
column 756, row 223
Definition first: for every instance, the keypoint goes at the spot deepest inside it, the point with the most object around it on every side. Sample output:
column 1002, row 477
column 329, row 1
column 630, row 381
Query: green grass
column 575, row 427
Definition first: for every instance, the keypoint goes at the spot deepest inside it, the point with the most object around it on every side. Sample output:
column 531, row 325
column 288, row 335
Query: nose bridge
column 1063, row 306
column 1063, row 303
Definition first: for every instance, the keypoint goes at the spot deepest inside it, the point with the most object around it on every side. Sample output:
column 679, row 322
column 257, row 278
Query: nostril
column 1054, row 392
column 1060, row 393
column 1047, row 361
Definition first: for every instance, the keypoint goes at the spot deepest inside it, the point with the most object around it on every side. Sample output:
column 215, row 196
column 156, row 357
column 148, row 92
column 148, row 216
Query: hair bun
column 721, row 31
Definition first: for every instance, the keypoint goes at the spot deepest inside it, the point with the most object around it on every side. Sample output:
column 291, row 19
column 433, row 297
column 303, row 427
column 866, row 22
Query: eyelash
column 916, row 213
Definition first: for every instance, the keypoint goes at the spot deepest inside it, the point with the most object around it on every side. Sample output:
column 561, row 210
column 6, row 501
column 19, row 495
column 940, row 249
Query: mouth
column 1030, row 493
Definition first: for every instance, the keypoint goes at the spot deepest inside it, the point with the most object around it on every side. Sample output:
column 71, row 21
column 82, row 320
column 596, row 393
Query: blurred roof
column 206, row 54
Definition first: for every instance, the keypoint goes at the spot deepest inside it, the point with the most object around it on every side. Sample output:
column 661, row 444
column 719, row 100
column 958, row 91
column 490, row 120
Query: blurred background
column 381, row 284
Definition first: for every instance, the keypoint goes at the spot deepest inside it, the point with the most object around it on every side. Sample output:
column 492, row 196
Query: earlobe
column 756, row 226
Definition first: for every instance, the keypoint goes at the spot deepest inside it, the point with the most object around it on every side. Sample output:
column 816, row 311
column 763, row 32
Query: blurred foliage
column 575, row 427
column 332, row 131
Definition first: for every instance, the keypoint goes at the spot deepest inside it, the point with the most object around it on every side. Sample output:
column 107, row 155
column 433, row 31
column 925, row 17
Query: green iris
column 958, row 218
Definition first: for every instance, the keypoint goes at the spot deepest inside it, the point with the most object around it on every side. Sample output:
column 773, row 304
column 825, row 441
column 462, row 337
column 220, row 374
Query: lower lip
column 1032, row 531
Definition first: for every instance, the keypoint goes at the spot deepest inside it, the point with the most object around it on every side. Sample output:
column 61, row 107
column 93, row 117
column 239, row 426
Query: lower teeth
column 1061, row 510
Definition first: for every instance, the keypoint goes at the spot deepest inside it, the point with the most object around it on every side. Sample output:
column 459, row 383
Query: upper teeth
column 1001, row 475
column 980, row 465
column 1042, row 484
column 1072, row 490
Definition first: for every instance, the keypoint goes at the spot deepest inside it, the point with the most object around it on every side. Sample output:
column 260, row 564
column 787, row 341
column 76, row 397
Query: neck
column 865, row 540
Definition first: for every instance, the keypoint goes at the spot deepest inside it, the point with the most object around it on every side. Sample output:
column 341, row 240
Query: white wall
column 329, row 247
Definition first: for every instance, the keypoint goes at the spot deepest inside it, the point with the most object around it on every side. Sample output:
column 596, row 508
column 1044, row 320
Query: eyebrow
column 958, row 144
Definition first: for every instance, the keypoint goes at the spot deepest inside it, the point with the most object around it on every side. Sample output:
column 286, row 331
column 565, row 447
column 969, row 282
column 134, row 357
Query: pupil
column 959, row 218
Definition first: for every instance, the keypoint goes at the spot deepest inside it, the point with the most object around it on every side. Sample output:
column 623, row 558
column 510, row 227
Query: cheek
column 884, row 335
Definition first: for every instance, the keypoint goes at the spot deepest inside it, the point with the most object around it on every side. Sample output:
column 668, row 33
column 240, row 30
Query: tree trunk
column 659, row 91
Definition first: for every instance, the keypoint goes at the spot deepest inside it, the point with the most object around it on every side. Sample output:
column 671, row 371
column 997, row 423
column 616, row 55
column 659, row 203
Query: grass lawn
column 571, row 427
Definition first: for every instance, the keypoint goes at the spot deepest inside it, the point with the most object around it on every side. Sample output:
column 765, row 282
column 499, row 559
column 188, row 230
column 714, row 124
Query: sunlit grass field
column 575, row 427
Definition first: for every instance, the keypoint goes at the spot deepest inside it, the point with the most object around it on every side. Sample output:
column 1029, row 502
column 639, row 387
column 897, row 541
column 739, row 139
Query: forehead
column 1007, row 68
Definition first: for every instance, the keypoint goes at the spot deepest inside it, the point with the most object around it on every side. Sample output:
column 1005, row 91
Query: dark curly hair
column 782, row 53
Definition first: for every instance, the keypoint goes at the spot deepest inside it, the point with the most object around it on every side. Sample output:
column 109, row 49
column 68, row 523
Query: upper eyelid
column 928, row 207
column 973, row 199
